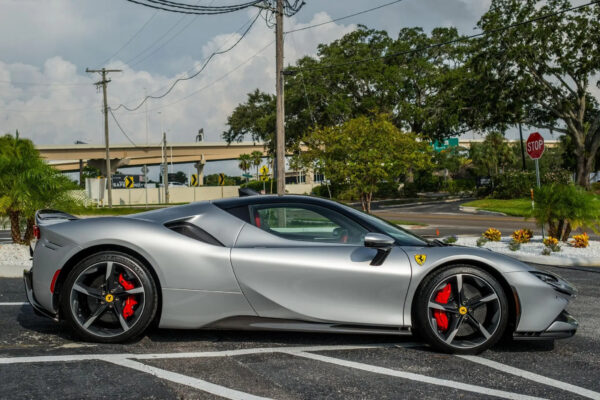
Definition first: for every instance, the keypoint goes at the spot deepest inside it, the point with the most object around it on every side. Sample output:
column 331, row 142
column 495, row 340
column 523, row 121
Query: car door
column 308, row 262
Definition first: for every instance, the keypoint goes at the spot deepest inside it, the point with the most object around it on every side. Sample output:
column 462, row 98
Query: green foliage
column 518, row 184
column 27, row 184
column 514, row 245
column 566, row 207
column 364, row 152
column 270, row 186
column 492, row 156
column 450, row 239
column 481, row 241
column 180, row 177
column 539, row 74
column 415, row 89
column 213, row 180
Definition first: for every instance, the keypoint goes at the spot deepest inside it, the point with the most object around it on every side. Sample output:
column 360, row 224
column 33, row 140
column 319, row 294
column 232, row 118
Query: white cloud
column 63, row 114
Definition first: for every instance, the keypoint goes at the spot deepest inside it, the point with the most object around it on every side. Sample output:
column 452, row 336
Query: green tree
column 493, row 155
column 364, row 152
column 538, row 73
column 245, row 162
column 180, row 177
column 256, row 157
column 27, row 183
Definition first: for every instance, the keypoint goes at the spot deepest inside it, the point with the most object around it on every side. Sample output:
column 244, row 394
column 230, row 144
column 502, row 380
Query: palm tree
column 256, row 157
column 27, row 183
column 245, row 163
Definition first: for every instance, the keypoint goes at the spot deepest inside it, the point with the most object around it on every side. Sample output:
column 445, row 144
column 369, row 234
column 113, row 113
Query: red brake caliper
column 130, row 302
column 440, row 316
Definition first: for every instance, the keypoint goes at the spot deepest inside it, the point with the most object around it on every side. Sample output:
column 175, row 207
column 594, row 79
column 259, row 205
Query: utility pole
column 522, row 147
column 165, row 167
column 103, row 82
column 280, row 136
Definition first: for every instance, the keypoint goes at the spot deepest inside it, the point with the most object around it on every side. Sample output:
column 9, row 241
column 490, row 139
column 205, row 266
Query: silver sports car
column 284, row 263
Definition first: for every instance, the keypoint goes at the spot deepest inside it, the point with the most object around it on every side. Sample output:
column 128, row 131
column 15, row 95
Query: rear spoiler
column 49, row 217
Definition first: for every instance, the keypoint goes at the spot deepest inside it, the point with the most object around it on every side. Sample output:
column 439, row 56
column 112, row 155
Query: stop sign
column 535, row 145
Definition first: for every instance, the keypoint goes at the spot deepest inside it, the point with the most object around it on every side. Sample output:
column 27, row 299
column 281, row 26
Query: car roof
column 271, row 199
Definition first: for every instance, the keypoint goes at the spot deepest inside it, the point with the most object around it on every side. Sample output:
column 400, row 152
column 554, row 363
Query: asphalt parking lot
column 40, row 359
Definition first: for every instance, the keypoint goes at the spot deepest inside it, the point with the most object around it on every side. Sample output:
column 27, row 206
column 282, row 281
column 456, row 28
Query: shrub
column 450, row 239
column 546, row 251
column 515, row 184
column 522, row 235
column 258, row 185
column 581, row 241
column 514, row 245
column 550, row 241
column 566, row 207
column 481, row 241
column 493, row 235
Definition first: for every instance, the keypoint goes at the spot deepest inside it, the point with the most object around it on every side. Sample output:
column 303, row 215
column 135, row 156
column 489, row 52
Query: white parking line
column 15, row 303
column 186, row 380
column 199, row 354
column 415, row 377
column 534, row 377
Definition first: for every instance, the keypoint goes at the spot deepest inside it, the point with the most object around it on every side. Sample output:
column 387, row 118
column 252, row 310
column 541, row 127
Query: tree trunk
column 582, row 174
column 559, row 230
column 363, row 201
column 28, row 235
column 552, row 231
column 15, row 230
column 567, row 232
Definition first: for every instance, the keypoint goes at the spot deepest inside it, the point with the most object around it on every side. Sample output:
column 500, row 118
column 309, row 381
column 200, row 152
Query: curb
column 474, row 210
column 12, row 270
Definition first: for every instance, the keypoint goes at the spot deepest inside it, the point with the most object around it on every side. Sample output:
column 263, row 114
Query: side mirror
column 383, row 244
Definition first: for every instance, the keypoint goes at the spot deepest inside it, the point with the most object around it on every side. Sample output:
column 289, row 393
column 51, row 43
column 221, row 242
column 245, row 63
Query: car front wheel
column 461, row 309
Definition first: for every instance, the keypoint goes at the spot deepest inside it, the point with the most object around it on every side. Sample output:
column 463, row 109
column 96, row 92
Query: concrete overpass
column 73, row 157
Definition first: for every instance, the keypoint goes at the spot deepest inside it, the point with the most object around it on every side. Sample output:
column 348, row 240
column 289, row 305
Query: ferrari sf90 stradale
column 284, row 263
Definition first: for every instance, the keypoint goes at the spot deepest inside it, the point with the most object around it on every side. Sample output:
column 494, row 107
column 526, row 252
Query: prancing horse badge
column 420, row 258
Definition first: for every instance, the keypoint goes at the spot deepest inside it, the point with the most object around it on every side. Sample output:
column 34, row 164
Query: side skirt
column 274, row 324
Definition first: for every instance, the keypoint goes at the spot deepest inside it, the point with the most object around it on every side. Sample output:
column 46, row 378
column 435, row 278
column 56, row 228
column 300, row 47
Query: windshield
column 402, row 236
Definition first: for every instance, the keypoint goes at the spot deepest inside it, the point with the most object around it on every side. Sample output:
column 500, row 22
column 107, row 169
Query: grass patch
column 402, row 222
column 514, row 207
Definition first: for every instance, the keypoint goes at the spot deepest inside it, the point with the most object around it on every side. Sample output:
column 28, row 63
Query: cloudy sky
column 47, row 45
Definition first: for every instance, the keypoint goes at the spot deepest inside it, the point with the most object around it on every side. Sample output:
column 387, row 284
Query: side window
column 307, row 223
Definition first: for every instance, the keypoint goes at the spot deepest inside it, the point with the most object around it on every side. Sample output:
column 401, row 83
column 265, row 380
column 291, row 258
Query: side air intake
column 192, row 231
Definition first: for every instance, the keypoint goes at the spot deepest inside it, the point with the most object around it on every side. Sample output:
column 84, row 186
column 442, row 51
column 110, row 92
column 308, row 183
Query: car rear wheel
column 461, row 309
column 109, row 297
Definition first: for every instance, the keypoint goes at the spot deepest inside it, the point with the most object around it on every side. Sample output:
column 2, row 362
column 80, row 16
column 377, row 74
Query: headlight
column 556, row 282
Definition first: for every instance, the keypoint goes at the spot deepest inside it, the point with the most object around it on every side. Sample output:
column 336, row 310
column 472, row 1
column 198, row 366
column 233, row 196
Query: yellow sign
column 221, row 179
column 194, row 180
column 264, row 173
column 420, row 258
column 129, row 182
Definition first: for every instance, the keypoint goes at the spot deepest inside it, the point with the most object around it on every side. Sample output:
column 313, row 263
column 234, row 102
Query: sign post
column 535, row 149
column 264, row 176
column 222, row 183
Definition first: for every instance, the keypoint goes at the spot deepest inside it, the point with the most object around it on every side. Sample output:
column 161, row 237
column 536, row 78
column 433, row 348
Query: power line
column 130, row 39
column 194, row 10
column 121, row 129
column 345, row 17
column 441, row 44
column 194, row 74
column 43, row 83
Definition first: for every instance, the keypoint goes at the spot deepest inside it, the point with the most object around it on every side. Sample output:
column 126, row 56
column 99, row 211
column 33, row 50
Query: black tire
column 475, row 319
column 109, row 297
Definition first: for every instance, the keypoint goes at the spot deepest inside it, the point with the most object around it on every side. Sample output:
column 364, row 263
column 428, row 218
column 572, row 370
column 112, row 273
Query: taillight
column 36, row 232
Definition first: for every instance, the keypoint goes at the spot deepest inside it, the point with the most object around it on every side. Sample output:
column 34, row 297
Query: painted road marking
column 196, row 383
column 534, row 377
column 416, row 377
column 199, row 354
column 15, row 303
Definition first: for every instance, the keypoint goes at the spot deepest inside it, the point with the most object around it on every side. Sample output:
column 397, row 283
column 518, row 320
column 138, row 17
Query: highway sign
column 446, row 144
column 535, row 145
column 129, row 182
column 247, row 176
column 221, row 179
column 194, row 180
